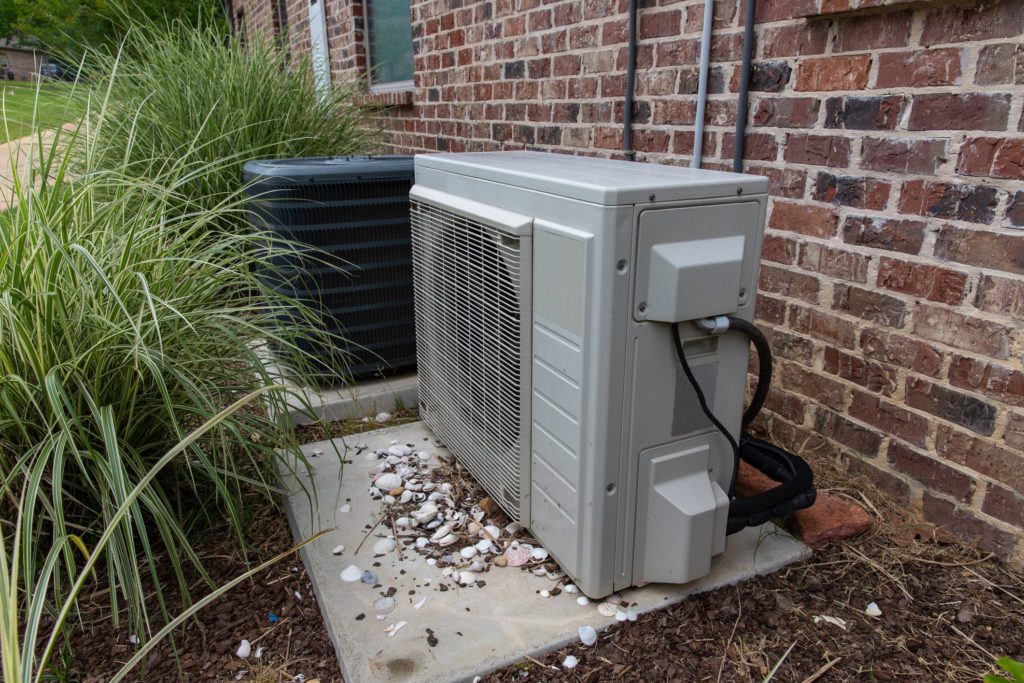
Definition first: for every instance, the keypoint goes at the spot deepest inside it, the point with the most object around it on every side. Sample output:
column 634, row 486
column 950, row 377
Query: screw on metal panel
column 743, row 292
column 642, row 307
column 610, row 488
column 651, row 198
column 621, row 266
column 739, row 190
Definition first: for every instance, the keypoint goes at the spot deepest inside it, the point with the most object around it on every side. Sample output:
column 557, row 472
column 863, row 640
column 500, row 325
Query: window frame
column 392, row 86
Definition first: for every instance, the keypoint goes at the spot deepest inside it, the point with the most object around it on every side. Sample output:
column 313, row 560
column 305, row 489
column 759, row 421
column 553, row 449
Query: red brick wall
column 893, row 137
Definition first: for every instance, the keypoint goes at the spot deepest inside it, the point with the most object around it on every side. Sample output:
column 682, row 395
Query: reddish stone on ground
column 829, row 519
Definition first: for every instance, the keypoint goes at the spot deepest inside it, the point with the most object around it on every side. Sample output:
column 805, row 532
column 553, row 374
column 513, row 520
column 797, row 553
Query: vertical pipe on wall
column 627, row 114
column 743, row 104
column 702, row 84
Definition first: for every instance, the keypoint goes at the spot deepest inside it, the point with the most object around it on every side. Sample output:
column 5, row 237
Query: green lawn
column 20, row 101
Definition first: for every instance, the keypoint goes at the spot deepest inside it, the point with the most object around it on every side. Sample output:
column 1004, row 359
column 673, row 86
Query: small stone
column 965, row 614
column 338, row 549
column 244, row 650
column 384, row 546
column 873, row 610
column 468, row 552
column 351, row 573
column 400, row 450
column 384, row 605
column 620, row 615
column 631, row 615
column 345, row 508
column 499, row 561
column 582, row 600
column 382, row 417
column 368, row 577
column 571, row 588
column 569, row 662
column 539, row 554
column 545, row 594
column 607, row 609
column 588, row 636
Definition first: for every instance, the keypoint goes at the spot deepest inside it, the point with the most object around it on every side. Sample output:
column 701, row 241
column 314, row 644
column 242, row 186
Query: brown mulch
column 947, row 613
column 295, row 643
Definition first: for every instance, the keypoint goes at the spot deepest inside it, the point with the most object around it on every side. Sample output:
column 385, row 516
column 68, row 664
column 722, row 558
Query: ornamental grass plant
column 132, row 311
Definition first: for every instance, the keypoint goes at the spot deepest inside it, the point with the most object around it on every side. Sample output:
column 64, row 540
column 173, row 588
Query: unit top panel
column 606, row 182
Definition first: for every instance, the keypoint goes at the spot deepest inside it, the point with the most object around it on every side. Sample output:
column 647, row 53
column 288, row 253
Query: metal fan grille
column 470, row 344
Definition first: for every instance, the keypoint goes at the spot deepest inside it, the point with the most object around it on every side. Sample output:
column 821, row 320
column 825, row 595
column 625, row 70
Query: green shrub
column 178, row 91
column 124, row 297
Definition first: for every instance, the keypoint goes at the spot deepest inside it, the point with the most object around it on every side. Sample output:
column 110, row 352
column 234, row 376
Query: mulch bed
column 947, row 613
column 294, row 639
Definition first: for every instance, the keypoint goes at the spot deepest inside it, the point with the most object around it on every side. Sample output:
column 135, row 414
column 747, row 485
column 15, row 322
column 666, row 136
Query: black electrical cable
column 796, row 481
column 681, row 353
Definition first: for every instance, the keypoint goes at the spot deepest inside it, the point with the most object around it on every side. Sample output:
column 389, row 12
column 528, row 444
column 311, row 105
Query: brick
column 566, row 65
column 931, row 282
column 789, row 283
column 981, row 248
column 869, row 305
column 821, row 325
column 965, row 111
column 930, row 472
column 981, row 455
column 971, row 203
column 786, row 404
column 856, row 191
column 834, row 73
column 893, row 234
column 806, row 219
column 830, row 520
column 782, row 182
column 818, row 150
column 889, row 417
column 770, row 309
column 963, row 524
column 995, row 157
column 771, row 76
column 870, row 375
column 1000, row 295
column 779, row 249
column 961, row 331
column 833, row 262
column 1014, row 435
column 903, row 155
column 984, row 377
column 900, row 351
column 674, row 112
column 756, row 147
column 794, row 40
column 515, row 69
column 873, row 31
column 767, row 12
column 811, row 384
column 837, row 427
column 1002, row 503
column 962, row 409
column 980, row 21
column 863, row 113
column 1015, row 209
column 919, row 68
column 894, row 487
column 677, row 52
column 660, row 24
column 1000, row 64
column 792, row 347
column 787, row 112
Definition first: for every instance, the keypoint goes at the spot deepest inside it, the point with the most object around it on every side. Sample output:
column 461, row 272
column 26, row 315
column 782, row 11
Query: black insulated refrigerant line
column 627, row 113
column 744, row 97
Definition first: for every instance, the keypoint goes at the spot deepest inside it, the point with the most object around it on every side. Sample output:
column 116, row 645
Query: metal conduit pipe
column 627, row 114
column 744, row 97
column 702, row 83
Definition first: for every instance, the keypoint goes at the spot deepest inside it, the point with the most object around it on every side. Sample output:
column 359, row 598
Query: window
column 389, row 45
column 279, row 18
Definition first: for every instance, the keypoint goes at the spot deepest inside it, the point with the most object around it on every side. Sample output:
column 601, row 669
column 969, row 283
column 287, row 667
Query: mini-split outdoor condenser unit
column 546, row 291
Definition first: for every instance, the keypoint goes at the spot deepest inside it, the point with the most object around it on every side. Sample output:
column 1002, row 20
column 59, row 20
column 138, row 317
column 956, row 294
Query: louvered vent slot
column 469, row 339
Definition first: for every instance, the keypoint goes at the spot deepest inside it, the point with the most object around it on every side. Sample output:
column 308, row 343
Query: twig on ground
column 725, row 653
column 822, row 671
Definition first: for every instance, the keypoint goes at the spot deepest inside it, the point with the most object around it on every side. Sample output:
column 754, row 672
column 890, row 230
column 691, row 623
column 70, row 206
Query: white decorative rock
column 387, row 481
column 873, row 610
column 448, row 540
column 351, row 573
column 441, row 532
column 338, row 549
column 400, row 450
column 571, row 588
column 588, row 636
column 539, row 554
column 569, row 662
column 345, row 508
column 384, row 546
column 469, row 552
column 382, row 417
column 244, row 650
column 582, row 600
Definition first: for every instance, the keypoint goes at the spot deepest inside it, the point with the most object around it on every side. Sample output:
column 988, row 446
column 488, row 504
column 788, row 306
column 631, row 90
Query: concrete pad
column 478, row 628
column 367, row 398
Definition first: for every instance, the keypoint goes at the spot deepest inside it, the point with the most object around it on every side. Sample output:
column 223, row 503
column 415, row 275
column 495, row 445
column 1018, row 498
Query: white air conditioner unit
column 543, row 287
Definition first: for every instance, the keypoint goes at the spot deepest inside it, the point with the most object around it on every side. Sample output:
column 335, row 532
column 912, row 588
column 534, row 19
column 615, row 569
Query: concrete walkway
column 477, row 629
column 16, row 159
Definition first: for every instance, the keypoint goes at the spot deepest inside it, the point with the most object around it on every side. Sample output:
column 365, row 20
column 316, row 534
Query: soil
column 947, row 612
